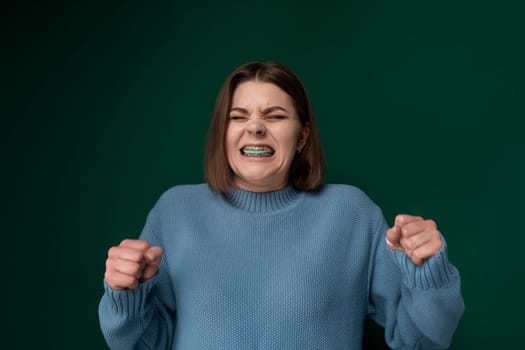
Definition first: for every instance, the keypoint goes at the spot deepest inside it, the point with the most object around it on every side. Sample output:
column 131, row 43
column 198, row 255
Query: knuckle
column 138, row 244
column 109, row 278
column 109, row 264
column 431, row 223
column 113, row 251
column 126, row 242
column 143, row 245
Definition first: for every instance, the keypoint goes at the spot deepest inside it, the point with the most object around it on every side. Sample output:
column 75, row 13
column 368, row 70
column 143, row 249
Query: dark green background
column 106, row 105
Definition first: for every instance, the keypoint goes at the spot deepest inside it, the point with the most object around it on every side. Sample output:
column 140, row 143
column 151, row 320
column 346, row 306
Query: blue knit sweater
column 279, row 270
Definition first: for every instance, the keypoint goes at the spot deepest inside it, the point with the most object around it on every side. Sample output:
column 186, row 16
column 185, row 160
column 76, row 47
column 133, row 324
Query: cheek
column 230, row 141
column 290, row 141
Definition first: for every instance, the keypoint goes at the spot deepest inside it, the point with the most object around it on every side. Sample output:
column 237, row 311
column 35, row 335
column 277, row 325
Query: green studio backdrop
column 107, row 105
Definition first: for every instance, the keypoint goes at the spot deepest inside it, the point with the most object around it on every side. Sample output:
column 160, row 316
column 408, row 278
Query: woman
column 263, row 256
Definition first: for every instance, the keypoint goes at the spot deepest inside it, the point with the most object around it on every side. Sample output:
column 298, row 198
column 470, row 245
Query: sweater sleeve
column 140, row 318
column 419, row 306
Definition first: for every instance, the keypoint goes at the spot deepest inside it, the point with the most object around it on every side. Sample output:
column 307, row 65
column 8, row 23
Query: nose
column 256, row 127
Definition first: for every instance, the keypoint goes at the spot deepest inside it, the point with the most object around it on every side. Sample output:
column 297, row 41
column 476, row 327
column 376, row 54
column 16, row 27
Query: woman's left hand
column 417, row 237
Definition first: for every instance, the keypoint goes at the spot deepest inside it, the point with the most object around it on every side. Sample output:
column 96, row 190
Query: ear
column 303, row 137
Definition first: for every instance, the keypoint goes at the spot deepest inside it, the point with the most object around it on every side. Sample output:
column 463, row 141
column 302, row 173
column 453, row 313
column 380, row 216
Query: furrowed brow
column 273, row 109
column 239, row 109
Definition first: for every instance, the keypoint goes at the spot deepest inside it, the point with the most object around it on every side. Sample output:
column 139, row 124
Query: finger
column 393, row 237
column 416, row 234
column 126, row 253
column 415, row 241
column 403, row 219
column 153, row 255
column 153, row 258
column 119, row 281
column 126, row 267
column 138, row 244
column 426, row 251
column 416, row 227
column 394, row 234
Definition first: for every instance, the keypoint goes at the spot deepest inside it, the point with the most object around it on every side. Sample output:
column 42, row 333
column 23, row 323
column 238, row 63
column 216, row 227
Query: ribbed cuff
column 435, row 272
column 130, row 302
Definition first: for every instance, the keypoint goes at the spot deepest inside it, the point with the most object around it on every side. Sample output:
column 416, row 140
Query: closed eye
column 275, row 117
column 237, row 118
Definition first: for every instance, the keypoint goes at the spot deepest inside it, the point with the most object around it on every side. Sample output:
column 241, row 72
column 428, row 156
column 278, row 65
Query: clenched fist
column 130, row 263
column 417, row 237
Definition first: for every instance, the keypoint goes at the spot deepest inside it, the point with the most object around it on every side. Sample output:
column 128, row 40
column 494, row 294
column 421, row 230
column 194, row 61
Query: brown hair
column 307, row 168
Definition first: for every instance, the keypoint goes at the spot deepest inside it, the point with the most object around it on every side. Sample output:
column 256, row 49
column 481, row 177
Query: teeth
column 260, row 151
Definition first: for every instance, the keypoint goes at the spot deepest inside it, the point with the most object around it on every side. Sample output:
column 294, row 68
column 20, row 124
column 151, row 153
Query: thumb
column 152, row 258
column 393, row 238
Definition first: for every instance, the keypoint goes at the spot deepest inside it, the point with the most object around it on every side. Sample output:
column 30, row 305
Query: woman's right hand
column 131, row 262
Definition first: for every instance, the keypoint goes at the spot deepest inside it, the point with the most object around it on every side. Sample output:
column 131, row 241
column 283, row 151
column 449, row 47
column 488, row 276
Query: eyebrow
column 267, row 110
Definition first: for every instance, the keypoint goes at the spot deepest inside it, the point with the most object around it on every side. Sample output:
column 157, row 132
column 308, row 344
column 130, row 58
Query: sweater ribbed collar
column 262, row 202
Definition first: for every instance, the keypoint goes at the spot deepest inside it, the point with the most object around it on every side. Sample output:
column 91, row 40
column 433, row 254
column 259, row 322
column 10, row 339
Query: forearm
column 135, row 319
column 431, row 302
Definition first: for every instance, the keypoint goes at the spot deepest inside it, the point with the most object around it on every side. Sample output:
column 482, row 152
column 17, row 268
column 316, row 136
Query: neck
column 259, row 187
column 266, row 201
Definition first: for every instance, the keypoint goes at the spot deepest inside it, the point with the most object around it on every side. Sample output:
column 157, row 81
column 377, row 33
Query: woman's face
column 263, row 135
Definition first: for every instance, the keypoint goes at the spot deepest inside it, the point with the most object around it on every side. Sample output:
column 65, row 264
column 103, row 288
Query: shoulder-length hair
column 307, row 168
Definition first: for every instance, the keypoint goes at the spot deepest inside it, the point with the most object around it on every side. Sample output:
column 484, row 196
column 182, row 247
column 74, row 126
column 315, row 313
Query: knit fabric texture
column 279, row 270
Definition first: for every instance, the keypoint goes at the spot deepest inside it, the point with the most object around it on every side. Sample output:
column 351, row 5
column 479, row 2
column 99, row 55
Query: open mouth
column 257, row 151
